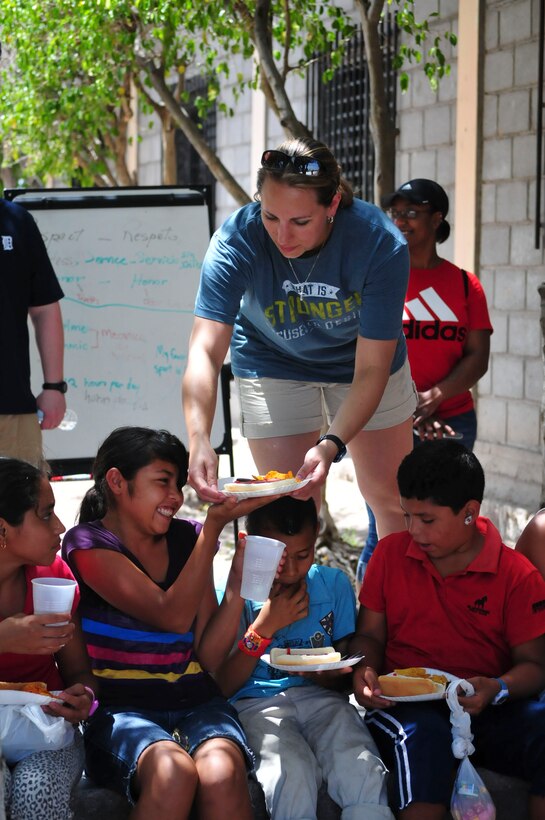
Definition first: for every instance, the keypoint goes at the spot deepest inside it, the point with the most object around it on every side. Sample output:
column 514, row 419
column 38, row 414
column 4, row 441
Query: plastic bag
column 470, row 797
column 27, row 729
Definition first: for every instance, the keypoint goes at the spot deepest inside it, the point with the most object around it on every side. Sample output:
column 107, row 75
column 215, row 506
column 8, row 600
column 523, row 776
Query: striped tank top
column 139, row 665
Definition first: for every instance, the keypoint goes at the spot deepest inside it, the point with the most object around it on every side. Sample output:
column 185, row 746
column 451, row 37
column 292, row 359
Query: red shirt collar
column 487, row 559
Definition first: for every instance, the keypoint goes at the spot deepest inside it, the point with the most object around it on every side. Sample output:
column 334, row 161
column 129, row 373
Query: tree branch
column 183, row 120
column 288, row 120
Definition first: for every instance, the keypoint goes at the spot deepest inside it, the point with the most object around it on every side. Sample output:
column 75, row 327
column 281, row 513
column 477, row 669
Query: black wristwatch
column 62, row 387
column 341, row 446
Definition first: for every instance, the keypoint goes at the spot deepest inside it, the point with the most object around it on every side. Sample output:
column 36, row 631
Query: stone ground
column 342, row 495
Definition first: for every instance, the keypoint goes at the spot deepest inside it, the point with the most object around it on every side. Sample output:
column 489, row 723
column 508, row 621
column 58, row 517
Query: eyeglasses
column 394, row 214
column 278, row 161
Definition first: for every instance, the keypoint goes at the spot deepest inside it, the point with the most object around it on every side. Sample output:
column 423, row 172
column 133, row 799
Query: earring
column 468, row 519
column 329, row 220
column 3, row 542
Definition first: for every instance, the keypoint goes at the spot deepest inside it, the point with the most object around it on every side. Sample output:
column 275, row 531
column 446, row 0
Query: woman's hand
column 74, row 706
column 316, row 466
column 34, row 635
column 433, row 428
column 428, row 402
column 203, row 472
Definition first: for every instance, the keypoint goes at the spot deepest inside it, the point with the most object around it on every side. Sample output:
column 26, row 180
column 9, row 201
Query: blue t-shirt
column 332, row 616
column 306, row 330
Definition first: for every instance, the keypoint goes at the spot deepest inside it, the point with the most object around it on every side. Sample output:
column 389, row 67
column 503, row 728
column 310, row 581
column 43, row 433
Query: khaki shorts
column 21, row 437
column 282, row 407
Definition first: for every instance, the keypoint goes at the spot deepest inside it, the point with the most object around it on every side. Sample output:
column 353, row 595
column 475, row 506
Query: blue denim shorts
column 115, row 738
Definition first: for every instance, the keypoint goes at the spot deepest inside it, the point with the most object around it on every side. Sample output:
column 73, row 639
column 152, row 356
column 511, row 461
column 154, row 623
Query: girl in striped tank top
column 163, row 735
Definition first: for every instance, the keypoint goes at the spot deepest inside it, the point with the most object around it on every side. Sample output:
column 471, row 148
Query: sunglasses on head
column 278, row 161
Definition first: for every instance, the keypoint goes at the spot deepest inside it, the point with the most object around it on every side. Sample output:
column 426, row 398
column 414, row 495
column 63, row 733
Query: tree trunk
column 276, row 85
column 170, row 171
column 383, row 130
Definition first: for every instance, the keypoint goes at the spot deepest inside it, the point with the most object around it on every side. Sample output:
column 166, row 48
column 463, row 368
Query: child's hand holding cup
column 53, row 595
column 261, row 558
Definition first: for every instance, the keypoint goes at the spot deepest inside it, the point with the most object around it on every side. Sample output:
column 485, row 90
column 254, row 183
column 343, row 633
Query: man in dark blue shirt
column 28, row 287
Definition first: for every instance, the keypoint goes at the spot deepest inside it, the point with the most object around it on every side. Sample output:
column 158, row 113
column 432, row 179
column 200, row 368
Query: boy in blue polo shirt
column 301, row 728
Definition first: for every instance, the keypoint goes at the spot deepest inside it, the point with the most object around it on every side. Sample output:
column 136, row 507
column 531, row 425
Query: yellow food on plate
column 306, row 656
column 37, row 687
column 420, row 672
column 273, row 480
column 273, row 475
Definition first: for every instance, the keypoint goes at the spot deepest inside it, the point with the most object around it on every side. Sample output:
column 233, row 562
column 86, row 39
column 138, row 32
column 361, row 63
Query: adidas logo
column 427, row 317
column 417, row 308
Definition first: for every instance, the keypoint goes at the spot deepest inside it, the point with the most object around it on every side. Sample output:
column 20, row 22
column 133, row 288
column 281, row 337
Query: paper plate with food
column 305, row 659
column 272, row 483
column 23, row 693
column 414, row 684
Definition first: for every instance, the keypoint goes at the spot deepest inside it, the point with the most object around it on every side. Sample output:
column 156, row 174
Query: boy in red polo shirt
column 447, row 594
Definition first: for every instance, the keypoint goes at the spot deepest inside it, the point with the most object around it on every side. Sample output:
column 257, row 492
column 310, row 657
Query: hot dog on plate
column 412, row 681
column 304, row 656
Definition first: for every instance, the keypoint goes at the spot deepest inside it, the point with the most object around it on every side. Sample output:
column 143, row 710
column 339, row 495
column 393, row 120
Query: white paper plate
column 352, row 660
column 16, row 697
column 434, row 696
column 284, row 490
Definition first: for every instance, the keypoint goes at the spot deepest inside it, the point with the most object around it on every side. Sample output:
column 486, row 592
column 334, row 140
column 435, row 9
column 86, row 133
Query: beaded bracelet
column 253, row 644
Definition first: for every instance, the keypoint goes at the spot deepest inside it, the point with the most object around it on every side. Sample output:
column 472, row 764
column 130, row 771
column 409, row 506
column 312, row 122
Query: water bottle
column 69, row 420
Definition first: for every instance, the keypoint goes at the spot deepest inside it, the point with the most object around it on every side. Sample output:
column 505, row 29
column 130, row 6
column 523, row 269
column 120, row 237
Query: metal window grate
column 338, row 111
column 190, row 168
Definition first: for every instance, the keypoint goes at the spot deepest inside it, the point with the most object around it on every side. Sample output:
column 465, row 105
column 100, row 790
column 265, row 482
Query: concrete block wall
column 510, row 401
column 509, row 397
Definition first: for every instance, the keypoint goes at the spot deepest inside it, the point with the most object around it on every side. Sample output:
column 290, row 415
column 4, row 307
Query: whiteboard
column 128, row 262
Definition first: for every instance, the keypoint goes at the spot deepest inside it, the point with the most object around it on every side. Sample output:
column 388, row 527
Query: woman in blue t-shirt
column 306, row 285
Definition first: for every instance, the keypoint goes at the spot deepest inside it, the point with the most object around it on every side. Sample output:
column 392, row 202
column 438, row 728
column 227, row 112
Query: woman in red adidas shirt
column 446, row 321
column 446, row 324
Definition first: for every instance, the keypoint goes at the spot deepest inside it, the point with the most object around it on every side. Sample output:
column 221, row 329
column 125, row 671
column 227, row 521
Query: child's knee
column 164, row 767
column 219, row 761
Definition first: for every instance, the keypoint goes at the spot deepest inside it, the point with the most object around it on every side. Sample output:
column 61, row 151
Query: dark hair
column 286, row 515
column 326, row 184
column 442, row 232
column 129, row 449
column 442, row 471
column 19, row 489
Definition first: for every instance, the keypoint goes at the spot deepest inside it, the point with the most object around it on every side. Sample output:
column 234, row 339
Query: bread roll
column 396, row 686
column 273, row 480
column 305, row 656
column 279, row 486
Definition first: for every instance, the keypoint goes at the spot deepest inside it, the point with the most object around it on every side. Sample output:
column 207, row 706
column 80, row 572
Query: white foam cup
column 261, row 558
column 53, row 595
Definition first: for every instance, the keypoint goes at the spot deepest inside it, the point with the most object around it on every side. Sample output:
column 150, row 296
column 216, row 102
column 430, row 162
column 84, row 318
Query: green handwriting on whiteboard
column 82, row 301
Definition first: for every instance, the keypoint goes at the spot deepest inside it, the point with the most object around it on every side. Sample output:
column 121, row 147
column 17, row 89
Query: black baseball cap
column 420, row 192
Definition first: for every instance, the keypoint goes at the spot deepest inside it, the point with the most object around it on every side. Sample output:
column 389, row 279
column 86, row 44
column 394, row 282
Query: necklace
column 309, row 274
